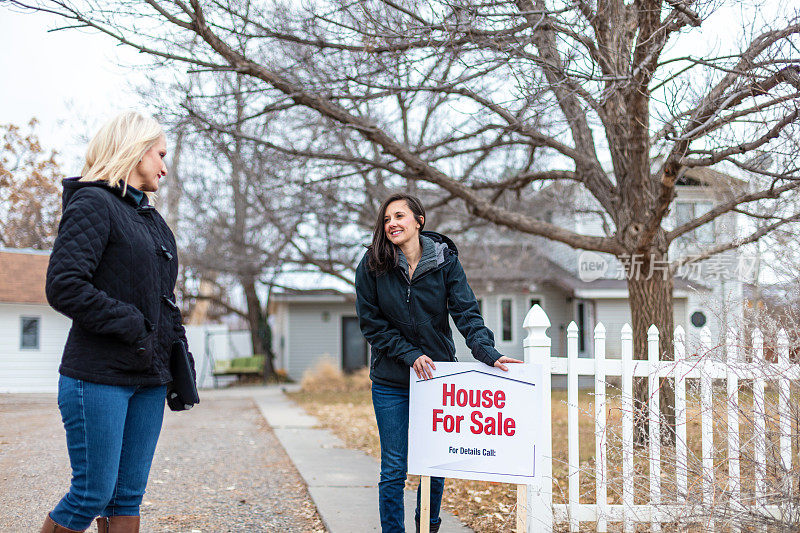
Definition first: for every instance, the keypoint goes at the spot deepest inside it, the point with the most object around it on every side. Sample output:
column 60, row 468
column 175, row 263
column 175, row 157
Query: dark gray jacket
column 112, row 271
column 404, row 318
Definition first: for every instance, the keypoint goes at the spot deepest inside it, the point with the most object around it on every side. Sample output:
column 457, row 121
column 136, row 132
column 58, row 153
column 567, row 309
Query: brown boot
column 120, row 524
column 102, row 524
column 51, row 527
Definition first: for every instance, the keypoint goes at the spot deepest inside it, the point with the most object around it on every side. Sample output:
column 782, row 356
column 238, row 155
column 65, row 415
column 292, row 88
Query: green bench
column 240, row 366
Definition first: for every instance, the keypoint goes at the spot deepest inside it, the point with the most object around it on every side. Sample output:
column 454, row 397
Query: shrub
column 326, row 376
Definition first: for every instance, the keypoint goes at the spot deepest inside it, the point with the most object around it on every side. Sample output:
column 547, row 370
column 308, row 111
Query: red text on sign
column 449, row 423
column 496, row 425
column 474, row 397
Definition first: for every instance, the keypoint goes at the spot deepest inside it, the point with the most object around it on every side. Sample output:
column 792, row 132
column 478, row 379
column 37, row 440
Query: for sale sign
column 472, row 421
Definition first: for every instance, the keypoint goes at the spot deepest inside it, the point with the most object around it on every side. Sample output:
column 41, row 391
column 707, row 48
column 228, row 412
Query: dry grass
column 490, row 507
column 326, row 376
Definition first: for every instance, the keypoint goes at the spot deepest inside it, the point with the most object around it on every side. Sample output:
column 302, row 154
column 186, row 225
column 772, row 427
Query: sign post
column 425, row 504
column 522, row 508
column 472, row 421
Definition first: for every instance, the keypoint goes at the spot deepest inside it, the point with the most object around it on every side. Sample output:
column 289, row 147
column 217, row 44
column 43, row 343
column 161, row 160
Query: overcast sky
column 69, row 80
column 72, row 80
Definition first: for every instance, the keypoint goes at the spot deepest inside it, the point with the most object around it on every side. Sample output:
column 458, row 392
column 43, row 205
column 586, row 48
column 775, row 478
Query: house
column 308, row 325
column 32, row 334
column 515, row 270
column 509, row 272
column 509, row 279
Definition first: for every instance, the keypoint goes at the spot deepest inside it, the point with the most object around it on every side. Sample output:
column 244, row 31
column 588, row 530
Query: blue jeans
column 391, row 413
column 111, row 438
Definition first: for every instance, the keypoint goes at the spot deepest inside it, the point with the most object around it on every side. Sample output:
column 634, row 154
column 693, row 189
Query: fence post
column 573, row 435
column 540, row 495
column 600, row 429
column 784, row 414
column 732, row 391
column 626, row 337
column 681, row 461
column 654, row 410
column 707, row 423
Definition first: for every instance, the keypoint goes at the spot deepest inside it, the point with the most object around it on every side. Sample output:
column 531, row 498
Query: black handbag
column 182, row 391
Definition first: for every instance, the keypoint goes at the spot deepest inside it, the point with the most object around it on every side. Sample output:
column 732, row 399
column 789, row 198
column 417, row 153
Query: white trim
column 314, row 298
column 286, row 347
column 27, row 251
column 595, row 294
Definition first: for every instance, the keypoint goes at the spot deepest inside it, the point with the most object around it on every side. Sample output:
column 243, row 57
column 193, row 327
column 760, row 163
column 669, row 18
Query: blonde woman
column 112, row 271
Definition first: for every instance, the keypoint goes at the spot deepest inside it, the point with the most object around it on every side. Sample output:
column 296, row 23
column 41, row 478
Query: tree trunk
column 260, row 334
column 174, row 185
column 650, row 285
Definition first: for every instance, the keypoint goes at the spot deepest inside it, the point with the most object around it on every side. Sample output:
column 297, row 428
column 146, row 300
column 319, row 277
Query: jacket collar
column 72, row 185
column 432, row 257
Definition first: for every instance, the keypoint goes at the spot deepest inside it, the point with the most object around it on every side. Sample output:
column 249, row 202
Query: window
column 686, row 211
column 29, row 337
column 704, row 233
column 506, row 320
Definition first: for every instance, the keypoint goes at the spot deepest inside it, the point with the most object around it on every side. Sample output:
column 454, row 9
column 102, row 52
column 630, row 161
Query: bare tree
column 250, row 215
column 522, row 93
column 30, row 190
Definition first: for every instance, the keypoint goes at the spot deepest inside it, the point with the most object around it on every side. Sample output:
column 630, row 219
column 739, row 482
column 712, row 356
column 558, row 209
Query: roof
column 522, row 267
column 708, row 177
column 312, row 296
column 23, row 276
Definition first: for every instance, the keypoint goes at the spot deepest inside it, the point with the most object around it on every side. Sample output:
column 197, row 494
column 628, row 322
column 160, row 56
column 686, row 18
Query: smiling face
column 151, row 168
column 399, row 223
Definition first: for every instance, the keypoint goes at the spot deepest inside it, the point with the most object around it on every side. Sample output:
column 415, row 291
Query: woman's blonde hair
column 118, row 147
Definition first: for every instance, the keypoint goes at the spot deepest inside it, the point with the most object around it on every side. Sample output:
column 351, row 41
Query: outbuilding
column 32, row 334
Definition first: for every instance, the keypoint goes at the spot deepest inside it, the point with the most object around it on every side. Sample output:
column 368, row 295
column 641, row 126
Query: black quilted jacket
column 112, row 271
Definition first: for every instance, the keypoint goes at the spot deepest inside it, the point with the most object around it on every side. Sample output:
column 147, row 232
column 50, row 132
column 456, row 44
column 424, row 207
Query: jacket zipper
column 408, row 298
column 411, row 312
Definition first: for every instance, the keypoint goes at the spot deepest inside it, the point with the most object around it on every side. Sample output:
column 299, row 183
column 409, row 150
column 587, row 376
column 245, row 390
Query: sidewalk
column 342, row 482
column 218, row 468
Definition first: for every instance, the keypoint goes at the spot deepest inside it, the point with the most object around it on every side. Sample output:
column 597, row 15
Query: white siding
column 553, row 302
column 561, row 313
column 31, row 370
column 615, row 312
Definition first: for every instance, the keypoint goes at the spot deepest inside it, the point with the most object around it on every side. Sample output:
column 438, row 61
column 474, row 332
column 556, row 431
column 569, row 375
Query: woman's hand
column 423, row 366
column 499, row 363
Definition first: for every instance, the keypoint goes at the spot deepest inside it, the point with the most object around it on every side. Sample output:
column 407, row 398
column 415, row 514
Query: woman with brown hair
column 407, row 285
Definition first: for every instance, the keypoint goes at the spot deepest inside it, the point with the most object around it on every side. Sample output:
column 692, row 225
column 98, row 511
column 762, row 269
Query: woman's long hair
column 118, row 147
column 382, row 254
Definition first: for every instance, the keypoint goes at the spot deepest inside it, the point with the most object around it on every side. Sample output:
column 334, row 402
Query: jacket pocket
column 143, row 350
column 377, row 355
column 444, row 350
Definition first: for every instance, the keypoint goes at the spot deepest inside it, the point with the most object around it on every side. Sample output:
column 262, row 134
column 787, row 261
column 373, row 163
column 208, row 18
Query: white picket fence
column 682, row 506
